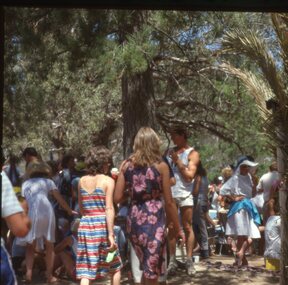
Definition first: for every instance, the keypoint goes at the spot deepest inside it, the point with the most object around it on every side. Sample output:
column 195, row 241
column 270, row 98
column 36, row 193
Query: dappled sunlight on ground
column 217, row 270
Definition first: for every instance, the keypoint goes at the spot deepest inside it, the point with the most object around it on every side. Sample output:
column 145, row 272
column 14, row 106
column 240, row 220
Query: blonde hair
column 146, row 147
column 227, row 172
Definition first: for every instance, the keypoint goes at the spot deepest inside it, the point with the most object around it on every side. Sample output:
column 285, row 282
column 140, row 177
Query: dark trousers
column 7, row 273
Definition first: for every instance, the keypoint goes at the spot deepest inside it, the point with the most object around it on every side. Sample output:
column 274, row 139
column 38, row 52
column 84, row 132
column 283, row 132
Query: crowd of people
column 85, row 220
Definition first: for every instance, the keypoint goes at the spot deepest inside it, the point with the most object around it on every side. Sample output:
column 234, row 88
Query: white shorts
column 184, row 201
column 135, row 266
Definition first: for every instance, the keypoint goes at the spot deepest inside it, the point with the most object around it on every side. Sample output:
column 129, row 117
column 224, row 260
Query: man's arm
column 19, row 224
column 259, row 187
column 17, row 220
column 189, row 172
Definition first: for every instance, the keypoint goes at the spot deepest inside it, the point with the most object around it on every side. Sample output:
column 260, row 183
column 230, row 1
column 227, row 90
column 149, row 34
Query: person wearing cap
column 243, row 218
column 183, row 160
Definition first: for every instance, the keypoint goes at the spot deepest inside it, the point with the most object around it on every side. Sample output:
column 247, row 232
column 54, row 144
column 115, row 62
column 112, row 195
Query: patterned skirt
column 92, row 249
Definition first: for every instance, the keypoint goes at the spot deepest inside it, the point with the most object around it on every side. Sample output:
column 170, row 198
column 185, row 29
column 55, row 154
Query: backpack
column 64, row 185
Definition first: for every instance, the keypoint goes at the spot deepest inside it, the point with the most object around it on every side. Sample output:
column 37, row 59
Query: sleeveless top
column 182, row 188
column 92, row 247
column 146, row 220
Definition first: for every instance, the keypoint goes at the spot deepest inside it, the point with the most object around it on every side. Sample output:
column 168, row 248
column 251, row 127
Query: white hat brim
column 249, row 163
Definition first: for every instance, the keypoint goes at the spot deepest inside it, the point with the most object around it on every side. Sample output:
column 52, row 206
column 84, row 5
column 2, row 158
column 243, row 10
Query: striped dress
column 93, row 239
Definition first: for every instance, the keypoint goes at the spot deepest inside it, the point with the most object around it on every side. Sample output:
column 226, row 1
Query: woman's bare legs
column 246, row 244
column 85, row 281
column 115, row 278
column 69, row 263
column 232, row 244
column 29, row 256
column 243, row 244
column 49, row 259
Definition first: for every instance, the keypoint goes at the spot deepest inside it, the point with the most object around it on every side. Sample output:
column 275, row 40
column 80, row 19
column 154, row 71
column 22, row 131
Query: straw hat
column 38, row 167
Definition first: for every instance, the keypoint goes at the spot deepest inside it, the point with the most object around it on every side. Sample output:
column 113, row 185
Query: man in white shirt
column 265, row 184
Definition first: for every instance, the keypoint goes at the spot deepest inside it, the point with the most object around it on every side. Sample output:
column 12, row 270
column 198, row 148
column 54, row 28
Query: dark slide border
column 200, row 5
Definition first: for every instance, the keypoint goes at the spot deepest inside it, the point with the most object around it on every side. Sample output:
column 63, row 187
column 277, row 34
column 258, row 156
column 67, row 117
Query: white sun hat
column 248, row 163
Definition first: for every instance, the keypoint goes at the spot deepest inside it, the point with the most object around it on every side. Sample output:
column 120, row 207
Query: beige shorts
column 184, row 201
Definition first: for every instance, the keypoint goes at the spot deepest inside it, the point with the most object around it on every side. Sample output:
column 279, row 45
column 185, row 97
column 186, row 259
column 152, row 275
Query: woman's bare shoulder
column 162, row 166
column 125, row 164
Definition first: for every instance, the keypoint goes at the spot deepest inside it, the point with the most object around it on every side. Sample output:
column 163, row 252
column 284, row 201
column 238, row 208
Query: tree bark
column 138, row 106
column 283, row 201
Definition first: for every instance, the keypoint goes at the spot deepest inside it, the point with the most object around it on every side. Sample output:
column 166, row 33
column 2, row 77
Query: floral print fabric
column 146, row 218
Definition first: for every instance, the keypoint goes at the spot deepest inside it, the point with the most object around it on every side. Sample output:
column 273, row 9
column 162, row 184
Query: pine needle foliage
column 270, row 87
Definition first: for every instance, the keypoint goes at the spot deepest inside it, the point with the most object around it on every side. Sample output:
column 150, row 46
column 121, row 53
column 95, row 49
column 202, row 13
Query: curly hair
column 96, row 158
column 146, row 147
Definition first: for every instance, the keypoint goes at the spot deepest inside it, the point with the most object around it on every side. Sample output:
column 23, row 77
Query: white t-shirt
column 10, row 204
column 182, row 188
column 265, row 183
column 238, row 185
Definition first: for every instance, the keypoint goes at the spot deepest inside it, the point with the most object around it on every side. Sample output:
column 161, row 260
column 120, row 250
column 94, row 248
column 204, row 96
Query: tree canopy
column 76, row 77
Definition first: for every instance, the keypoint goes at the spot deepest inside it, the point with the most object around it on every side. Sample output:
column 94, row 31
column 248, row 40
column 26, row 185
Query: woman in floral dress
column 146, row 177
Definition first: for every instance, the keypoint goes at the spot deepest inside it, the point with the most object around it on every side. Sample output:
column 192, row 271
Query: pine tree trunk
column 138, row 106
column 283, row 200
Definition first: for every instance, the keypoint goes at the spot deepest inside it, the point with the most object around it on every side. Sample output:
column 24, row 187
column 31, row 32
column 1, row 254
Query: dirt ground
column 217, row 270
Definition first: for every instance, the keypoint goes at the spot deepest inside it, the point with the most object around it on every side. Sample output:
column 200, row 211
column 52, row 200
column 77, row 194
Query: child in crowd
column 66, row 252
